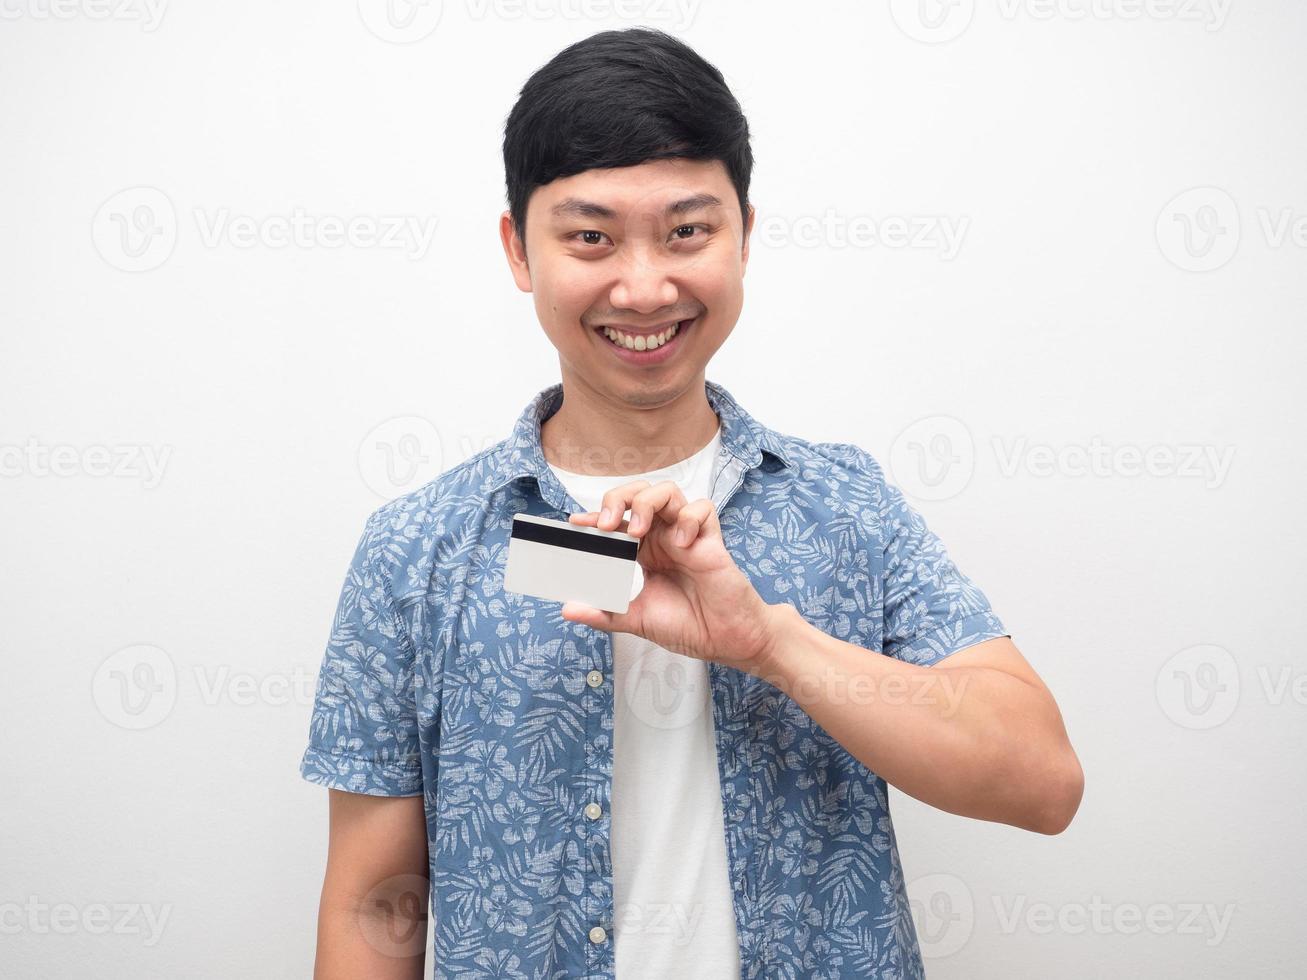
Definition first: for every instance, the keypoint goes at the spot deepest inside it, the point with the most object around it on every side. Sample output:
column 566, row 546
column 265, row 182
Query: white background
column 1090, row 302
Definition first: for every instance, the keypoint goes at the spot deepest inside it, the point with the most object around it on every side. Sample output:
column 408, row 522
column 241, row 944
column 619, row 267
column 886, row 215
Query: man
column 695, row 788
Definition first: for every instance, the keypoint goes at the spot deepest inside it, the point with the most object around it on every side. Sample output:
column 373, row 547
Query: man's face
column 637, row 249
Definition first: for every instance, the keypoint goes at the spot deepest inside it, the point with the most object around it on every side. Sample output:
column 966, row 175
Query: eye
column 679, row 233
column 590, row 236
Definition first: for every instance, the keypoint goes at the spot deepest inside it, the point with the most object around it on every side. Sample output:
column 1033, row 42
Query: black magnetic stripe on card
column 575, row 540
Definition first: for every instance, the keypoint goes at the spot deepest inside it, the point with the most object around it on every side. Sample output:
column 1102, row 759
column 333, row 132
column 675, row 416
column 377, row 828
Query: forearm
column 973, row 741
column 353, row 943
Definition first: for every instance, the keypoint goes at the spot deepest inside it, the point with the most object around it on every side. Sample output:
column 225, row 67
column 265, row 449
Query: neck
column 597, row 435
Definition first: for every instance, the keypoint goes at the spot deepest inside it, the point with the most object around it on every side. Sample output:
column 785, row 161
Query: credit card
column 565, row 562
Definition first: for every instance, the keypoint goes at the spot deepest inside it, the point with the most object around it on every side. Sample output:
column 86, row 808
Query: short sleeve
column 931, row 608
column 363, row 734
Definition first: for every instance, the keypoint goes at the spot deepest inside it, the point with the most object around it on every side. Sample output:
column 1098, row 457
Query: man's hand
column 978, row 734
column 695, row 599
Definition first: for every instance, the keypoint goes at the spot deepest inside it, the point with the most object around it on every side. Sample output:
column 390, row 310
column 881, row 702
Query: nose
column 643, row 284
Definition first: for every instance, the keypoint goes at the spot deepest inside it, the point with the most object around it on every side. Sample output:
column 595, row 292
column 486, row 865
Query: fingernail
column 633, row 523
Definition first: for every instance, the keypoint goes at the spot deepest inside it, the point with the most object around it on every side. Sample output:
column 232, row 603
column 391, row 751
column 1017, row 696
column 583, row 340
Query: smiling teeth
column 641, row 343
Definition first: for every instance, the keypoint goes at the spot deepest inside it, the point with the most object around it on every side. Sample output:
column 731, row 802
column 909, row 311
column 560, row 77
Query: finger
column 696, row 520
column 616, row 501
column 642, row 498
column 661, row 501
column 590, row 518
column 577, row 612
column 669, row 509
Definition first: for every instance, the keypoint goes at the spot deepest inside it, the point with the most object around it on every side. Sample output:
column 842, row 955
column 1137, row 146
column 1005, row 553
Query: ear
column 748, row 229
column 515, row 252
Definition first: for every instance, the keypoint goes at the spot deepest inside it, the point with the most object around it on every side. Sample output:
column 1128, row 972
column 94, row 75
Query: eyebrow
column 574, row 207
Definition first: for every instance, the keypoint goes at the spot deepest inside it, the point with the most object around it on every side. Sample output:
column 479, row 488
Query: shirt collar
column 521, row 455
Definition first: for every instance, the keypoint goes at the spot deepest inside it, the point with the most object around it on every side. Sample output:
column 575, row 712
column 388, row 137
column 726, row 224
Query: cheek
column 720, row 288
column 566, row 297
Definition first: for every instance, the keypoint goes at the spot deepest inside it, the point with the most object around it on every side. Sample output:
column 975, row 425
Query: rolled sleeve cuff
column 357, row 774
column 930, row 648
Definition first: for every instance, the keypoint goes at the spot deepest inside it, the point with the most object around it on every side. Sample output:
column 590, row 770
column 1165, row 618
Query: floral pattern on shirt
column 436, row 682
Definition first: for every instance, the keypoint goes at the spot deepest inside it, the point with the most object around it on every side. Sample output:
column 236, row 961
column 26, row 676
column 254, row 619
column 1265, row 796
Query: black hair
column 616, row 99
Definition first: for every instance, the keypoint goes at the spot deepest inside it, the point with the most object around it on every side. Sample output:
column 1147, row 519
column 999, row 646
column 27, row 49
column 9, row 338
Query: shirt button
column 594, row 678
column 597, row 934
column 592, row 810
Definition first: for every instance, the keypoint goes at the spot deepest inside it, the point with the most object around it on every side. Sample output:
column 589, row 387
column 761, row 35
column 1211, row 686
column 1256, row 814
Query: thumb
column 578, row 612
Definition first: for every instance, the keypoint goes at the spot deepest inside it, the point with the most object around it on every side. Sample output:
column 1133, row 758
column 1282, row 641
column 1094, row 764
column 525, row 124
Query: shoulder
column 844, row 467
column 851, row 460
column 851, row 483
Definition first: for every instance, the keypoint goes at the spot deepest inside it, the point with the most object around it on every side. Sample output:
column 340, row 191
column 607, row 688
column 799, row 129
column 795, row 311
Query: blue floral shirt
column 499, row 712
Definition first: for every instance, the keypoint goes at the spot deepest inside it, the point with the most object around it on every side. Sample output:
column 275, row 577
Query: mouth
column 646, row 346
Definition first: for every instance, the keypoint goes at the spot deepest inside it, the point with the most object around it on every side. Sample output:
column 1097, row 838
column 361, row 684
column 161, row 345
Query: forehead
column 649, row 187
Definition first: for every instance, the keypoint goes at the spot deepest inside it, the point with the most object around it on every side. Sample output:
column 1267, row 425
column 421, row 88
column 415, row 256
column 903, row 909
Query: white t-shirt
column 673, row 914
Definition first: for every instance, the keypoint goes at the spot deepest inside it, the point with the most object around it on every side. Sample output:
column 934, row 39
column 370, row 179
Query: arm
column 978, row 734
column 372, row 919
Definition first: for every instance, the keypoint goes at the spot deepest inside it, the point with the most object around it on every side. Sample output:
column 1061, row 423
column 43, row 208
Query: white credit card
column 565, row 562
